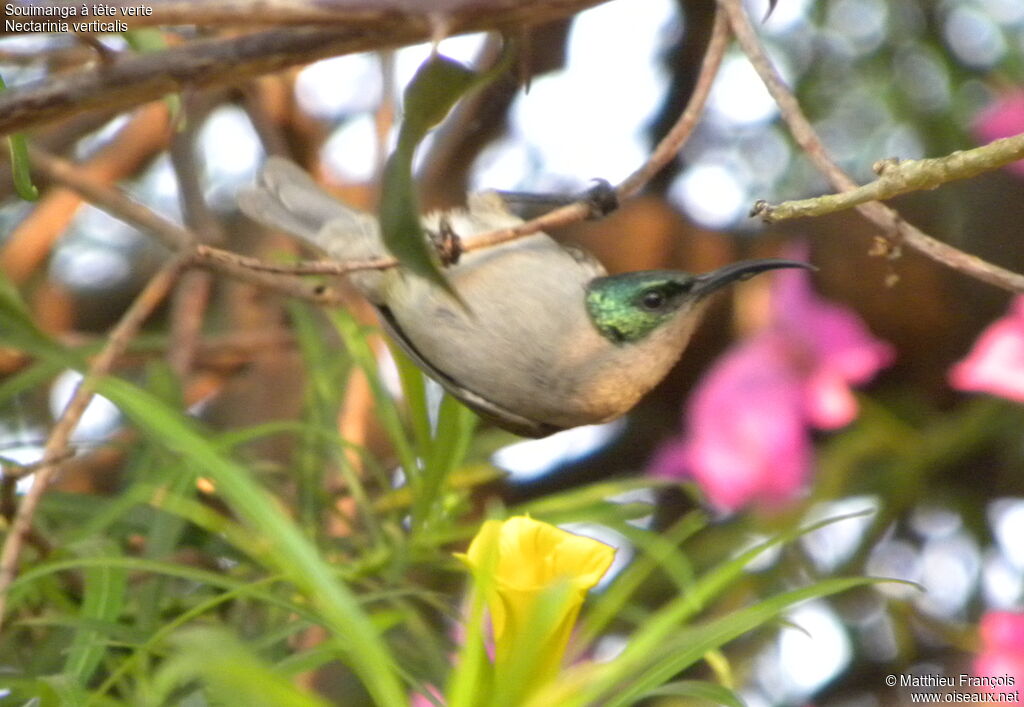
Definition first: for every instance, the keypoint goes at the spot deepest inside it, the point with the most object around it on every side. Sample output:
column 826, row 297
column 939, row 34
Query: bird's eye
column 652, row 300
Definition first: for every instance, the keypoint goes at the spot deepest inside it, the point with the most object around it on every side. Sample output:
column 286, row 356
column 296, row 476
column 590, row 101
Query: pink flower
column 996, row 362
column 747, row 436
column 832, row 346
column 1003, row 118
column 1002, row 648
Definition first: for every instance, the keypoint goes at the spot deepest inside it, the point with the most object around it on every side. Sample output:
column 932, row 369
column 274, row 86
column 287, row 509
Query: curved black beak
column 709, row 282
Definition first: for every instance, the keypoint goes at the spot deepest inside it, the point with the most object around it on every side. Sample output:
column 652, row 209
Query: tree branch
column 663, row 153
column 354, row 26
column 173, row 236
column 888, row 220
column 900, row 177
column 57, row 443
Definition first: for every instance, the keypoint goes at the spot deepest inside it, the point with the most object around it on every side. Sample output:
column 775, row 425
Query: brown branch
column 57, row 444
column 674, row 140
column 254, row 270
column 358, row 13
column 251, row 269
column 566, row 215
column 353, row 27
column 215, row 257
column 887, row 219
column 191, row 297
column 663, row 153
column 30, row 243
column 173, row 236
column 898, row 177
column 113, row 200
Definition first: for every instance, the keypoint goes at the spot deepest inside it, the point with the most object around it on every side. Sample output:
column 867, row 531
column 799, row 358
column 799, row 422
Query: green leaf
column 18, row 331
column 435, row 88
column 102, row 603
column 708, row 691
column 354, row 338
column 19, row 163
column 286, row 548
column 455, row 424
column 14, row 313
column 232, row 672
column 643, row 667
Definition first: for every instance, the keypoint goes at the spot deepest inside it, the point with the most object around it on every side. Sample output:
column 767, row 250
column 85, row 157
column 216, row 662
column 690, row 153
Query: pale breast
column 527, row 337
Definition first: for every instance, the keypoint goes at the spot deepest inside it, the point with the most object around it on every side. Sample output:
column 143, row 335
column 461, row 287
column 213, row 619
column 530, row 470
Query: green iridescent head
column 626, row 308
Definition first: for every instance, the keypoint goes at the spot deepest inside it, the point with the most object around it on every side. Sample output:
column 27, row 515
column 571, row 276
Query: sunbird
column 543, row 339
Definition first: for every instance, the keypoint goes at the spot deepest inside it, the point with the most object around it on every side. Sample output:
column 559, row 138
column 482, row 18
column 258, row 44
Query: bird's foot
column 446, row 242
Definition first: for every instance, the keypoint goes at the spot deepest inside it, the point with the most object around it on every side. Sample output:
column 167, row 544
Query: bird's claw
column 601, row 198
column 446, row 242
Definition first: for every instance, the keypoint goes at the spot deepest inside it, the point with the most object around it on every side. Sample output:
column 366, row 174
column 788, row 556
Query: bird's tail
column 285, row 197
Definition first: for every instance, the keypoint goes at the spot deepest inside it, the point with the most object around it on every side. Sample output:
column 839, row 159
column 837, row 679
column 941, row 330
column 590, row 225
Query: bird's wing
column 504, row 418
column 286, row 197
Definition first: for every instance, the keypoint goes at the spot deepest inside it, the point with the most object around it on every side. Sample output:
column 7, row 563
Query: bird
column 543, row 339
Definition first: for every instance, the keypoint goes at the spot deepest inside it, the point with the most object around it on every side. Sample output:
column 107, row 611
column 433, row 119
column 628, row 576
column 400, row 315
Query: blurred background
column 940, row 470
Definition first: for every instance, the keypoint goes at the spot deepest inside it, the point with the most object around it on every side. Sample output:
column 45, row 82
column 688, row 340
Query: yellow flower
column 535, row 577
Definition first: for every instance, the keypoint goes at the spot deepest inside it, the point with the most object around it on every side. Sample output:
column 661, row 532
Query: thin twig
column 663, row 153
column 28, row 245
column 14, row 471
column 355, row 27
column 216, row 257
column 237, row 265
column 191, row 296
column 900, row 177
column 674, row 140
column 110, row 199
column 121, row 335
column 173, row 236
column 887, row 219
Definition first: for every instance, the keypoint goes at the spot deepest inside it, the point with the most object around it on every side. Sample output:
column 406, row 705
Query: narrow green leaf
column 232, row 672
column 38, row 692
column 414, row 391
column 19, row 163
column 643, row 667
column 455, row 423
column 698, row 689
column 433, row 91
column 102, row 602
column 168, row 628
column 66, row 690
column 192, row 574
column 717, row 579
column 13, row 310
column 287, row 549
column 662, row 552
column 385, row 409
column 35, row 376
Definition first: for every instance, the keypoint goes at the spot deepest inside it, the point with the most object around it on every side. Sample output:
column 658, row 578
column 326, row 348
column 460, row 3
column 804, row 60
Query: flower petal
column 746, row 440
column 833, row 337
column 1003, row 118
column 828, row 401
column 995, row 363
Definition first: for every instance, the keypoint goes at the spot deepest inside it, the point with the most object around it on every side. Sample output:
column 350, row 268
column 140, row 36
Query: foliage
column 165, row 594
